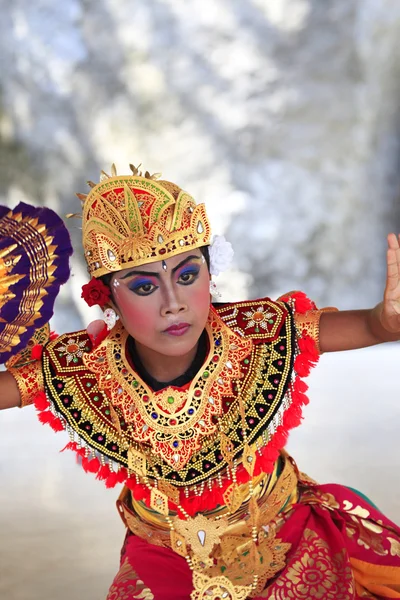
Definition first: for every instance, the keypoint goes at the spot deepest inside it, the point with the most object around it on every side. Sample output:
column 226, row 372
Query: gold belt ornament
column 231, row 555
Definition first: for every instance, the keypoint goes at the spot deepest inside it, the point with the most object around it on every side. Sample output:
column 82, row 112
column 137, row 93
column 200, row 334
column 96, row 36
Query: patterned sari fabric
column 342, row 548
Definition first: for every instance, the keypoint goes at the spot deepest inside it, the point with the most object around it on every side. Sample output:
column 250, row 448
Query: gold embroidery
column 29, row 379
column 174, row 423
column 309, row 323
column 40, row 337
column 104, row 390
column 73, row 349
column 169, row 490
column 178, row 544
column 357, row 511
column 259, row 317
column 127, row 585
column 314, row 573
column 137, row 462
column 7, row 280
column 159, row 501
column 215, row 588
column 233, row 497
column 394, row 546
column 154, row 535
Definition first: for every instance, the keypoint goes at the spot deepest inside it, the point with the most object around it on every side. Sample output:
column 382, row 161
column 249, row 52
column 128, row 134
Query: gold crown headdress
column 130, row 220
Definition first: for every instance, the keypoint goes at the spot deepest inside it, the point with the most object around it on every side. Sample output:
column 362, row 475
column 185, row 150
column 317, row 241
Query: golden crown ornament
column 130, row 220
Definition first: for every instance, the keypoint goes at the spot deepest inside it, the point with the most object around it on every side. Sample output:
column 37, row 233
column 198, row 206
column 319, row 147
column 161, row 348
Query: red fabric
column 326, row 534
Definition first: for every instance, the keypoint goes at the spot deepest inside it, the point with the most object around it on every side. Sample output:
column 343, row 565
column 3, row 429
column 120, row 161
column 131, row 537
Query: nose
column 173, row 303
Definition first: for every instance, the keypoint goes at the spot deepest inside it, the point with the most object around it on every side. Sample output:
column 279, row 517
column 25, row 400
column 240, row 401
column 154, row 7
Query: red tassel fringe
column 47, row 417
column 41, row 402
column 36, row 352
column 89, row 465
column 112, row 480
column 103, row 472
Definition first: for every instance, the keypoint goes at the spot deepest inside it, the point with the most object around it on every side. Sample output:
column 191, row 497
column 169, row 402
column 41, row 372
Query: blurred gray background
column 283, row 117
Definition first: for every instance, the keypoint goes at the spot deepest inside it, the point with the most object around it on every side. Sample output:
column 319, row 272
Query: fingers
column 393, row 261
column 393, row 241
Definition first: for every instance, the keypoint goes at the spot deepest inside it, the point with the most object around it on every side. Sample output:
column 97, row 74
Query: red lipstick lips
column 178, row 329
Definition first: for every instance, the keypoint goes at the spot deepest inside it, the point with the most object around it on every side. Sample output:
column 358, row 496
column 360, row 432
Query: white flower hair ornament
column 221, row 255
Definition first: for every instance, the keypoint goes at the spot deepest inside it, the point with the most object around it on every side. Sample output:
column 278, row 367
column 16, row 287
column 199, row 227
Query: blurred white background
column 283, row 117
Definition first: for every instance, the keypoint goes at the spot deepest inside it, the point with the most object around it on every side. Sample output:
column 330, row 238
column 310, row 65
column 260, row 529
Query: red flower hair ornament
column 95, row 292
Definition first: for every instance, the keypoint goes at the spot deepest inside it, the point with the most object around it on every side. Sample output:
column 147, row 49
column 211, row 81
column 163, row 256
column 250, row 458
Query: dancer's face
column 165, row 308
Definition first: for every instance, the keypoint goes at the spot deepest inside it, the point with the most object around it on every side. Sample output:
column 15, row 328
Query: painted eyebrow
column 155, row 274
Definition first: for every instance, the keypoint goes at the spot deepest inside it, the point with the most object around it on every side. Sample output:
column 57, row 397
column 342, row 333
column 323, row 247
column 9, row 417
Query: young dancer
column 189, row 403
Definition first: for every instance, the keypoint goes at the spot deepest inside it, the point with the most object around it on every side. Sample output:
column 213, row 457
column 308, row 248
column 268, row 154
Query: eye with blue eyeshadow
column 188, row 274
column 142, row 287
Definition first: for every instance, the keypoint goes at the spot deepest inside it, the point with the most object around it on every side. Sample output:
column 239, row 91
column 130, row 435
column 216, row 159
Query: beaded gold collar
column 246, row 376
column 172, row 421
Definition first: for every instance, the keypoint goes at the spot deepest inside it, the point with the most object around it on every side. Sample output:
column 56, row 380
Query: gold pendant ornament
column 137, row 462
column 233, row 497
column 201, row 533
column 159, row 501
column 217, row 588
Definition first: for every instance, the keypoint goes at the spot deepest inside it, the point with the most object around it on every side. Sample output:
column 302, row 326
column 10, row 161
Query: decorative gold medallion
column 233, row 497
column 73, row 349
column 259, row 317
column 201, row 533
column 178, row 543
column 249, row 459
column 216, row 588
column 137, row 462
column 159, row 501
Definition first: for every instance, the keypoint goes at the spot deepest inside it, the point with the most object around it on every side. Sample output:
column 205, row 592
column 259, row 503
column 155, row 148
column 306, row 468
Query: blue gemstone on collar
column 154, row 415
column 190, row 411
column 217, row 342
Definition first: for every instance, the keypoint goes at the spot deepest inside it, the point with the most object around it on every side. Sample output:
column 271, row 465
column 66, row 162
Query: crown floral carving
column 130, row 220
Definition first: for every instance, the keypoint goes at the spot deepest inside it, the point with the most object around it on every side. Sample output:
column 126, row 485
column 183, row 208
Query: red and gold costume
column 213, row 505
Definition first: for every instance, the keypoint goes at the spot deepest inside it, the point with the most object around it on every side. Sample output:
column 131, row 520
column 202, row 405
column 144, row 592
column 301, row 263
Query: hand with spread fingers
column 390, row 313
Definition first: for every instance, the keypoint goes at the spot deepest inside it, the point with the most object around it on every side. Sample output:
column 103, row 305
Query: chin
column 178, row 347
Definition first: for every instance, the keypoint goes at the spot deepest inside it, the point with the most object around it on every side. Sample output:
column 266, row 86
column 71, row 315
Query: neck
column 164, row 368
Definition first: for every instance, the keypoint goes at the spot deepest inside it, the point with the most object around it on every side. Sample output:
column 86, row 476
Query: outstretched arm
column 350, row 329
column 9, row 392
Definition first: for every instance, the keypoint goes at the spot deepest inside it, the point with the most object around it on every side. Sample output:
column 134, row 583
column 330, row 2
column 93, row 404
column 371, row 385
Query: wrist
column 377, row 327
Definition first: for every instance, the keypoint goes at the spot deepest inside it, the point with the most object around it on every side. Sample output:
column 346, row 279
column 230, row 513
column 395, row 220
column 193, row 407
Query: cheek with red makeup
column 145, row 316
column 137, row 313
